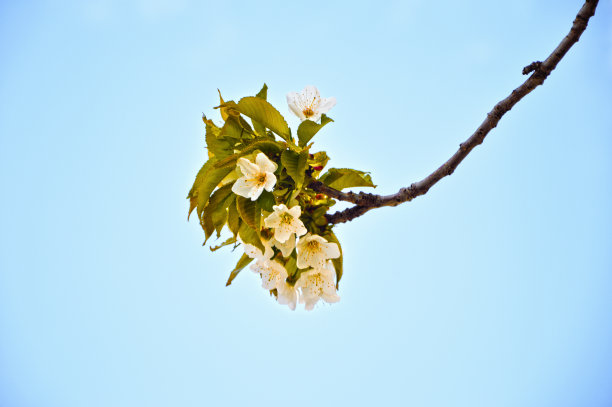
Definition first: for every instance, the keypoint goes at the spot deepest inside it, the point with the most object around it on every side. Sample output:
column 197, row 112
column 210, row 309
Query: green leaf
column 249, row 211
column 231, row 240
column 250, row 236
column 246, row 127
column 291, row 265
column 219, row 146
column 260, row 129
column 267, row 146
column 266, row 201
column 232, row 129
column 219, row 214
column 224, row 114
column 331, row 237
column 340, row 178
column 210, row 179
column 242, row 263
column 295, row 164
column 205, row 182
column 263, row 112
column 212, row 217
column 263, row 93
column 209, row 228
column 308, row 129
column 200, row 177
column 233, row 218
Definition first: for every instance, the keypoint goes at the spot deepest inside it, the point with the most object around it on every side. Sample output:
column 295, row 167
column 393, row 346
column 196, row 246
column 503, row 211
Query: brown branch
column 365, row 201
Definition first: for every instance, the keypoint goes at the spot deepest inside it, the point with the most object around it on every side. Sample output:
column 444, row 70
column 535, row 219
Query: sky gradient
column 491, row 290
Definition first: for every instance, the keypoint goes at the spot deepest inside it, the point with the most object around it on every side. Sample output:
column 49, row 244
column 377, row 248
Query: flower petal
column 242, row 187
column 286, row 247
column 255, row 192
column 330, row 298
column 326, row 104
column 270, row 182
column 282, row 232
column 247, row 168
column 310, row 95
column 330, row 250
column 287, row 295
column 264, row 163
column 252, row 251
column 292, row 98
column 273, row 220
column 280, row 208
column 296, row 211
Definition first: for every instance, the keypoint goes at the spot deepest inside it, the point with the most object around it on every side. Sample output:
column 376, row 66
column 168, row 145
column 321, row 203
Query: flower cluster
column 258, row 187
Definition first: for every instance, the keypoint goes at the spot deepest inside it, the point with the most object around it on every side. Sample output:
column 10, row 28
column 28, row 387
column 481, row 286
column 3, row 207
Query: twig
column 365, row 201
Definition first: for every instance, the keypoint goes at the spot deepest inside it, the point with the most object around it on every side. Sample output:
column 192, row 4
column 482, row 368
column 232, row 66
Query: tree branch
column 366, row 201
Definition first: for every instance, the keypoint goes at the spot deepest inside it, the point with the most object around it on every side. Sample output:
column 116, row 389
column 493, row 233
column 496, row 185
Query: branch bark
column 366, row 201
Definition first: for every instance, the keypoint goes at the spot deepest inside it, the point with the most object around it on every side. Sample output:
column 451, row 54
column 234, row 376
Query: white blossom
column 254, row 252
column 286, row 247
column 308, row 104
column 313, row 251
column 272, row 273
column 274, row 276
column 287, row 295
column 256, row 177
column 317, row 283
column 285, row 222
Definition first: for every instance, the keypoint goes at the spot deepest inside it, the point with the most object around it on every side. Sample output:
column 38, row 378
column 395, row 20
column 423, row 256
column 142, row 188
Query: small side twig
column 534, row 66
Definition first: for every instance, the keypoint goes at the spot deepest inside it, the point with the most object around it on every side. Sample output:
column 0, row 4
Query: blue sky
column 491, row 290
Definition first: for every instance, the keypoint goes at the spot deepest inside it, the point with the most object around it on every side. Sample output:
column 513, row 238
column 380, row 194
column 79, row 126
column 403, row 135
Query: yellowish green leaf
column 267, row 146
column 233, row 218
column 295, row 164
column 242, row 263
column 340, row 178
column 307, row 129
column 249, row 211
column 263, row 112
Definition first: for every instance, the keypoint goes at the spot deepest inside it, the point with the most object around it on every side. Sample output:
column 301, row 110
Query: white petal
column 252, row 251
column 247, row 168
column 282, row 232
column 287, row 247
column 291, row 97
column 310, row 303
column 299, row 228
column 317, row 260
column 268, row 252
column 264, row 163
column 292, row 102
column 315, row 117
column 310, row 94
column 273, row 220
column 296, row 211
column 242, row 187
column 303, row 258
column 326, row 104
column 280, row 208
column 255, row 192
column 268, row 281
column 330, row 250
column 287, row 295
column 318, row 238
column 330, row 298
column 270, row 182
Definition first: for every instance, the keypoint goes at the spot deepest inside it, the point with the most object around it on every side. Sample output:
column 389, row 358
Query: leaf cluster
column 251, row 126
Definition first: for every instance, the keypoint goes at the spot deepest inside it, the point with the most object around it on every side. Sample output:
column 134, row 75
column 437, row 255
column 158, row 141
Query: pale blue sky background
column 494, row 289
